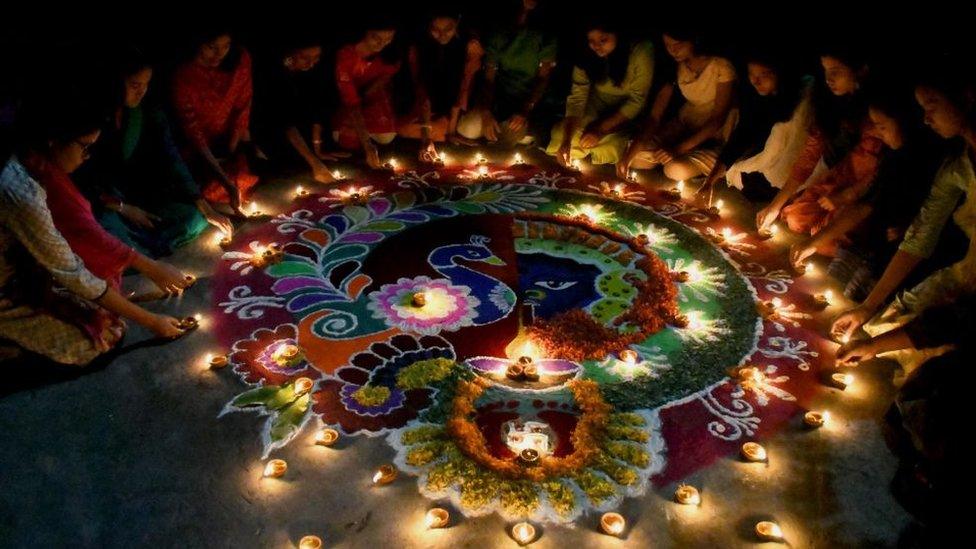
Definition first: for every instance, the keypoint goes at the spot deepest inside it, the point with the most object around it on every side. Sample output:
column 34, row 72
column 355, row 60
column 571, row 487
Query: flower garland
column 577, row 336
column 586, row 437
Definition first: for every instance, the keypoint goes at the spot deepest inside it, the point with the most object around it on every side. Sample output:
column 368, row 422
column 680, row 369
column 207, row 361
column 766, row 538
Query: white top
column 25, row 221
column 700, row 91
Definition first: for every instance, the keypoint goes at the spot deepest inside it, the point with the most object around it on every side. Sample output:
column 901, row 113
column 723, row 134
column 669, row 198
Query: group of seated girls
column 866, row 171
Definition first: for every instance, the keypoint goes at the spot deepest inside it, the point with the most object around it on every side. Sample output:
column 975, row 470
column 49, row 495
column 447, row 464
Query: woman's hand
column 826, row 203
column 589, row 140
column 801, row 251
column 372, row 156
column 563, row 155
column 322, row 174
column 849, row 322
column 221, row 222
column 766, row 217
column 167, row 277
column 856, row 352
column 164, row 326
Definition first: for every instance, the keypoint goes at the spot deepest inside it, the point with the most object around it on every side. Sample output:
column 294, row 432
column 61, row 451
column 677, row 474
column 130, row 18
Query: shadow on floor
column 30, row 371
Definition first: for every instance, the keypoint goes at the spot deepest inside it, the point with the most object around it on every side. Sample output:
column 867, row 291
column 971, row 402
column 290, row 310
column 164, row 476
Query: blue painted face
column 555, row 284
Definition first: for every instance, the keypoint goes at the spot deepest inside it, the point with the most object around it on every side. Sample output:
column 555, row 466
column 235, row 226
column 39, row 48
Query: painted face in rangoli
column 555, row 284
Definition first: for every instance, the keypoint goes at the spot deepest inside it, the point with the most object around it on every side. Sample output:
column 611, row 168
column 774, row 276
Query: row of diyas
column 525, row 367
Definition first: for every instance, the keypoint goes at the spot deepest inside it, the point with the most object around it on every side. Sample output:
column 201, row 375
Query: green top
column 587, row 99
column 517, row 54
column 953, row 181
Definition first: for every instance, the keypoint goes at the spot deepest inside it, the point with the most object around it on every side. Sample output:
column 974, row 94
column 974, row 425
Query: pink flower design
column 447, row 308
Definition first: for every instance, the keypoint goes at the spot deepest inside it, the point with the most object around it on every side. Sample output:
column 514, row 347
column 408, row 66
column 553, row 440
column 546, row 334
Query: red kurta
column 213, row 108
column 364, row 83
column 103, row 254
column 842, row 184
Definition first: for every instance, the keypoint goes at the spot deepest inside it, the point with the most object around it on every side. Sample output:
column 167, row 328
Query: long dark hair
column 441, row 63
column 42, row 124
column 211, row 33
column 614, row 66
column 959, row 87
column 835, row 114
column 894, row 99
column 383, row 21
column 132, row 61
column 790, row 83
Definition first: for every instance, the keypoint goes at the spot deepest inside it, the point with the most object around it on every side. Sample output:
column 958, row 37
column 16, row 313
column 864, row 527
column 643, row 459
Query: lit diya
column 326, row 437
column 716, row 209
column 523, row 533
column 612, row 524
column 823, row 300
column 436, row 518
column 310, row 542
column 753, row 451
column 842, row 380
column 529, row 456
column 275, row 468
column 303, row 385
column 217, row 361
column 687, row 495
column 189, row 323
column 815, row 419
column 768, row 530
column 385, row 474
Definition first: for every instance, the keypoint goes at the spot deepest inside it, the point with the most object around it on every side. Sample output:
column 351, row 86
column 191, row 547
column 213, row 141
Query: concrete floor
column 133, row 455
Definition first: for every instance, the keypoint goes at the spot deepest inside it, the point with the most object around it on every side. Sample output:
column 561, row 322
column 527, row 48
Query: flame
column 523, row 345
column 377, row 476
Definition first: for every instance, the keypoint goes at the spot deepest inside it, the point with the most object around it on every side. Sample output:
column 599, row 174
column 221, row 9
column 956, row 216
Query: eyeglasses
column 85, row 147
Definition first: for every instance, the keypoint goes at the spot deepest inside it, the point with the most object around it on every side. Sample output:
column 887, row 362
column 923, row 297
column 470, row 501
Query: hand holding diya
column 715, row 210
column 823, row 300
column 189, row 323
column 674, row 194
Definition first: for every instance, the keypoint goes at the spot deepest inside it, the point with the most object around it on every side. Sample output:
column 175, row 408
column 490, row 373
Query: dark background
column 49, row 50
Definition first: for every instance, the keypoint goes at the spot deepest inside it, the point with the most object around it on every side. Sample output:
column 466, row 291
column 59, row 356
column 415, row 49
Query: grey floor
column 134, row 455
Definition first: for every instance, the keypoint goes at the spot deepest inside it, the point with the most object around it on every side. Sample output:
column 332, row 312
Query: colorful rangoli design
column 527, row 347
